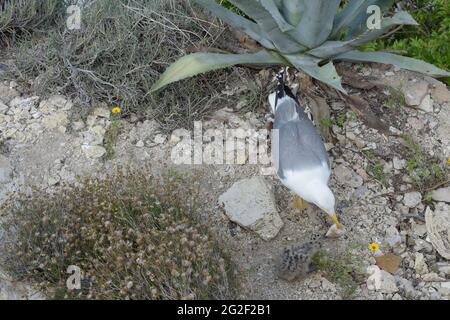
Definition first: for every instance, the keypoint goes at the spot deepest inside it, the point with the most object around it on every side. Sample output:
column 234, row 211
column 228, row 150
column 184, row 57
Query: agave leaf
column 332, row 48
column 282, row 41
column 316, row 22
column 396, row 60
column 310, row 65
column 237, row 21
column 197, row 63
column 292, row 10
column 272, row 8
column 354, row 17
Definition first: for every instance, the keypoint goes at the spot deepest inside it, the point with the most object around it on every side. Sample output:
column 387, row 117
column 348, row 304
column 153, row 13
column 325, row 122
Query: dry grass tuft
column 132, row 235
column 19, row 18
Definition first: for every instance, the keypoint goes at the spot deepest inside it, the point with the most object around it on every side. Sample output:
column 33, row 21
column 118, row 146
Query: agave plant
column 306, row 34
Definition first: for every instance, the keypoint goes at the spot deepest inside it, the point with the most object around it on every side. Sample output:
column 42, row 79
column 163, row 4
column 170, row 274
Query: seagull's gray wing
column 300, row 145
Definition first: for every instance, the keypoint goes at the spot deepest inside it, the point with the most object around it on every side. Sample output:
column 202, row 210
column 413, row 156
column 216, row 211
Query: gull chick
column 294, row 261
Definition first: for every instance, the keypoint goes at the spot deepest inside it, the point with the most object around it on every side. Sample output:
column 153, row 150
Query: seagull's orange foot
column 298, row 203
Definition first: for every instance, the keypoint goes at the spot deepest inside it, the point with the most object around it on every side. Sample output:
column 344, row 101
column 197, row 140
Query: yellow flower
column 115, row 110
column 448, row 161
column 374, row 246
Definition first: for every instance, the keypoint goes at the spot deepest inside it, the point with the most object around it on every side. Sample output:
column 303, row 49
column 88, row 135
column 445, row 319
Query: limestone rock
column 393, row 237
column 419, row 264
column 445, row 288
column 160, row 138
column 94, row 135
column 7, row 93
column 24, row 103
column 5, row 170
column 251, row 204
column 427, row 104
column 101, row 113
column 442, row 194
column 93, row 152
column 407, row 287
column 56, row 102
column 55, row 120
column 432, row 277
column 438, row 228
column 347, row 176
column 380, row 280
column 444, row 268
column 398, row 163
column 415, row 92
column 440, row 94
column 3, row 108
column 412, row 199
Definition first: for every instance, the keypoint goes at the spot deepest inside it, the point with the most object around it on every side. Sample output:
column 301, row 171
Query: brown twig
column 391, row 32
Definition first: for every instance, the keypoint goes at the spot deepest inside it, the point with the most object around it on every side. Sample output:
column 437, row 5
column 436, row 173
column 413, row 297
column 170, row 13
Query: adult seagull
column 302, row 161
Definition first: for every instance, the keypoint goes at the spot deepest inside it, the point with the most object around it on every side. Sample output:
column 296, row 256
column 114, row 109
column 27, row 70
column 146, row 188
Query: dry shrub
column 20, row 18
column 121, row 50
column 132, row 235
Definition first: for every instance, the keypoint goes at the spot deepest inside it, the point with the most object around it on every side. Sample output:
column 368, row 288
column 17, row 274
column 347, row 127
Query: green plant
column 110, row 139
column 133, row 235
column 344, row 117
column 428, row 198
column 378, row 173
column 425, row 170
column 227, row 4
column 351, row 116
column 340, row 268
column 411, row 145
column 341, row 119
column 112, row 133
column 428, row 40
column 307, row 35
column 326, row 122
column 396, row 98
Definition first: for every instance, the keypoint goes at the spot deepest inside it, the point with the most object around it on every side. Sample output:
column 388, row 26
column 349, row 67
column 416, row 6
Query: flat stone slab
column 251, row 204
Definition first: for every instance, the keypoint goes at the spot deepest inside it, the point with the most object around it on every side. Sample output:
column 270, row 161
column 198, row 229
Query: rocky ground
column 44, row 142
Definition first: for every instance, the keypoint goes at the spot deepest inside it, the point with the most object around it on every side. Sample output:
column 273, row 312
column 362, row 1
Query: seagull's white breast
column 305, row 182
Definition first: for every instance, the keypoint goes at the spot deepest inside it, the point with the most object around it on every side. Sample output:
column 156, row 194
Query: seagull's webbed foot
column 299, row 203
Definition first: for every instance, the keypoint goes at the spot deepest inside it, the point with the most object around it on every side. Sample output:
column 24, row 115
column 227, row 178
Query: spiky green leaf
column 354, row 16
column 396, row 60
column 316, row 22
column 310, row 65
column 282, row 41
column 197, row 63
column 333, row 48
column 292, row 10
column 272, row 8
column 237, row 21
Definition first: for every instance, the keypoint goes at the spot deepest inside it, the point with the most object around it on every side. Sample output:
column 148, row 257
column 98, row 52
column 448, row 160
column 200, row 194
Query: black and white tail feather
column 284, row 92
